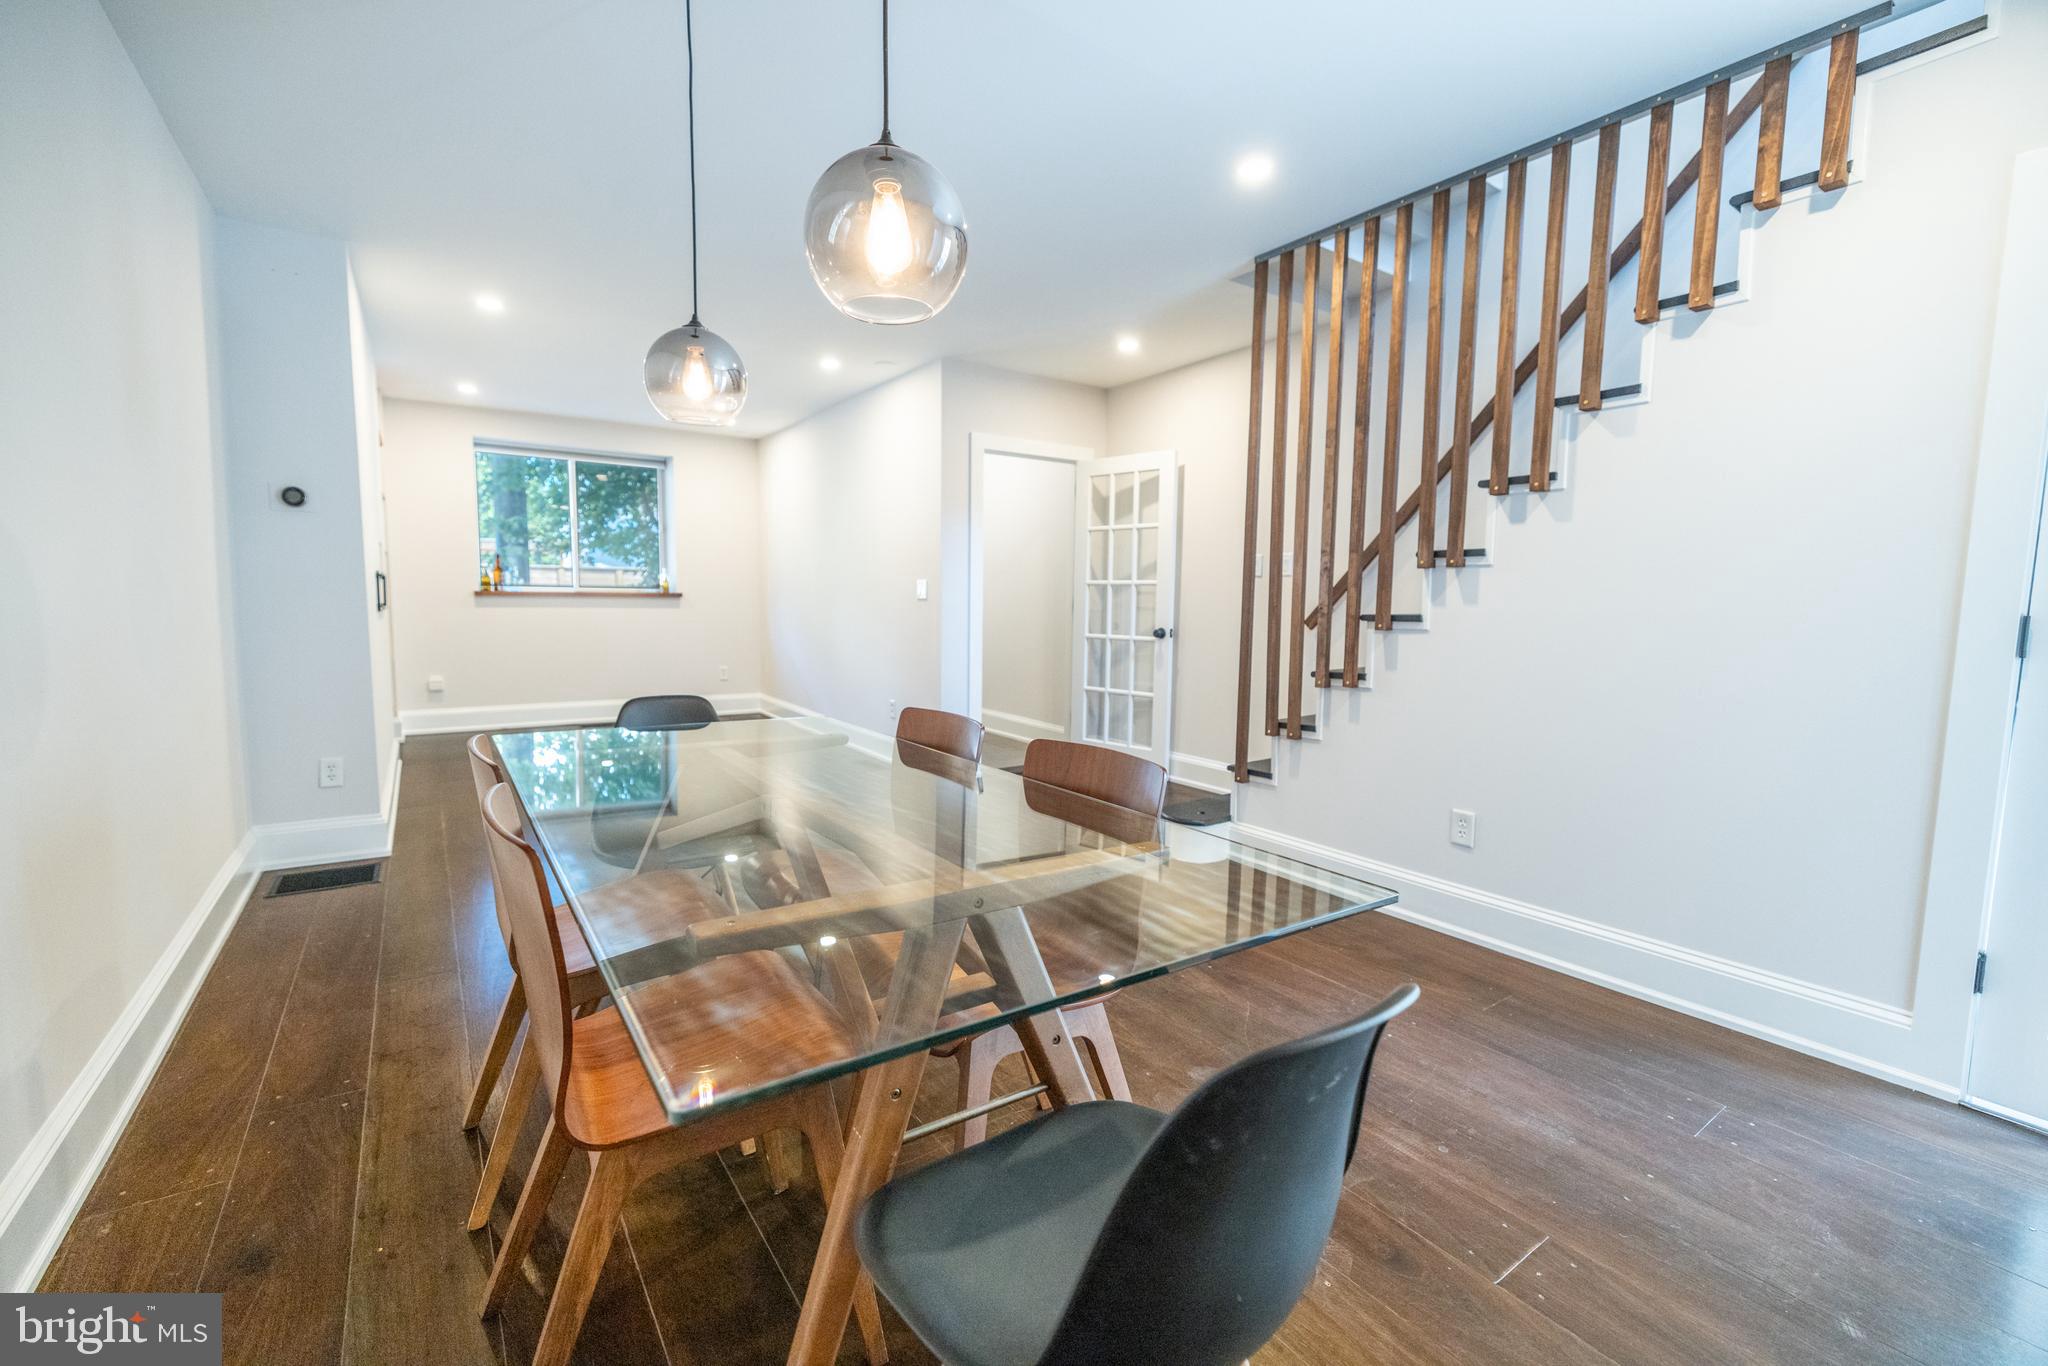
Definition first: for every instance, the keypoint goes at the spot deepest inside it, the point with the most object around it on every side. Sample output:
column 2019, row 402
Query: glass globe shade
column 694, row 376
column 886, row 237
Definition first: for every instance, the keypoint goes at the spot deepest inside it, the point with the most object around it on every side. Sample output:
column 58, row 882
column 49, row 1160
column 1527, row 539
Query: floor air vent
column 325, row 879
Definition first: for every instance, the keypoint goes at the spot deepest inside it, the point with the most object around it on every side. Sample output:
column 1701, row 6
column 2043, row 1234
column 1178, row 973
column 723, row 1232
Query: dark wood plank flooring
column 1550, row 1172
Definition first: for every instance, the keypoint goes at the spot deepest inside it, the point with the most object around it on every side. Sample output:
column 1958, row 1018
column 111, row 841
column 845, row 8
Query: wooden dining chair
column 668, row 711
column 1107, row 1232
column 945, row 731
column 1134, row 787
column 586, row 986
column 753, row 1011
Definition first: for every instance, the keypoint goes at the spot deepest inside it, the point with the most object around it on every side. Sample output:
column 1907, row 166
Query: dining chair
column 1111, row 1232
column 1132, row 786
column 601, row 1102
column 944, row 731
column 586, row 985
column 669, row 711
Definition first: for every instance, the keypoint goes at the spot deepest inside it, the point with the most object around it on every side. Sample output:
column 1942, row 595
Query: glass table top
column 773, row 904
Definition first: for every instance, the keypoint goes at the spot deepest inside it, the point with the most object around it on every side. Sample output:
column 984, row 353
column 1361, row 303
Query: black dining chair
column 671, row 711
column 1111, row 1232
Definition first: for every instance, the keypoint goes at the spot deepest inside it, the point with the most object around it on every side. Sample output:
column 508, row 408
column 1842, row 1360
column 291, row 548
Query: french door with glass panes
column 1127, row 552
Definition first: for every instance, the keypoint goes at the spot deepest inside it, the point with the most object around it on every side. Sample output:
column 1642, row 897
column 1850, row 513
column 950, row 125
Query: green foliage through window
column 607, row 535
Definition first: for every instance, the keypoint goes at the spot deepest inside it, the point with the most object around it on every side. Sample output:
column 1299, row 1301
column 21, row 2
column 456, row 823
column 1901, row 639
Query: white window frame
column 571, row 455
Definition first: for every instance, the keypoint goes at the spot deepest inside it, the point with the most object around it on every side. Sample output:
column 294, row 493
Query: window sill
column 557, row 593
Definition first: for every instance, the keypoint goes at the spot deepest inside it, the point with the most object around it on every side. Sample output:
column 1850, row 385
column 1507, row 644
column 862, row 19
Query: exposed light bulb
column 888, row 242
column 696, row 375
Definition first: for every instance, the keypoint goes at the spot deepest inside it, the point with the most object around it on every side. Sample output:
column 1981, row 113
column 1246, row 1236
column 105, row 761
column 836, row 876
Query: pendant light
column 693, row 375
column 885, row 234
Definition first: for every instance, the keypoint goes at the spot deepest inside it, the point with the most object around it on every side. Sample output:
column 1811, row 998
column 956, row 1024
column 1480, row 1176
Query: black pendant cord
column 885, row 140
column 690, row 87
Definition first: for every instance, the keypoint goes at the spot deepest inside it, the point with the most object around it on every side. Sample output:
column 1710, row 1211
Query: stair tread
column 1618, row 391
column 1470, row 551
column 1724, row 288
column 1260, row 768
column 1407, row 618
column 1516, row 481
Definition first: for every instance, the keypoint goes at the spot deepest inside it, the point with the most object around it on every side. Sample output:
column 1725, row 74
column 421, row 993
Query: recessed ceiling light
column 465, row 388
column 490, row 303
column 1126, row 344
column 1254, row 169
column 828, row 363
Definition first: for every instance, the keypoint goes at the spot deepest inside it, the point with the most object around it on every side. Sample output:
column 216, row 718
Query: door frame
column 980, row 446
column 1984, row 678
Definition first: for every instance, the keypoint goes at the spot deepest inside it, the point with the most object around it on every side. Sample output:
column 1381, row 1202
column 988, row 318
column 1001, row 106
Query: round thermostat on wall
column 293, row 496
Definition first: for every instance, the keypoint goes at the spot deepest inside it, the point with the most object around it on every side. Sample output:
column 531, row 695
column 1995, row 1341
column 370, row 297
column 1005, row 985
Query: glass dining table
column 927, row 899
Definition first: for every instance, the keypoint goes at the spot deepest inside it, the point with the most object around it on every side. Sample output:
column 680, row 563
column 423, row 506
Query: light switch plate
column 923, row 589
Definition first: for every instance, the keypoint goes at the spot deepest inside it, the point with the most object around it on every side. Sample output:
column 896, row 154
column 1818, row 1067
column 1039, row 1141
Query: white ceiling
column 535, row 148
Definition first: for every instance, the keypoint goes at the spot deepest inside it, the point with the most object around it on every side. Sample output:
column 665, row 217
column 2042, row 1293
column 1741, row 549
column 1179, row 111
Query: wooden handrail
column 1242, row 754
column 1681, row 184
column 1312, row 256
column 1543, row 428
column 1706, row 205
column 1397, row 354
column 1276, row 545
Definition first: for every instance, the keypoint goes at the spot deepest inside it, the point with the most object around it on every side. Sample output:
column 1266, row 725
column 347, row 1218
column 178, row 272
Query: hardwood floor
column 1549, row 1172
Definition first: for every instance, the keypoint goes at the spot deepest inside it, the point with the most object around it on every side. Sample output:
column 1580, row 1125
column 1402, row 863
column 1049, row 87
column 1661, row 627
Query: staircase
column 1371, row 472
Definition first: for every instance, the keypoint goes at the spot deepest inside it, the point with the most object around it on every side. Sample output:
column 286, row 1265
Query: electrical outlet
column 892, row 709
column 1259, row 565
column 724, row 672
column 1464, row 828
column 330, row 772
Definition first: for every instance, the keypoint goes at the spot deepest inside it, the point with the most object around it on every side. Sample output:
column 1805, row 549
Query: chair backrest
column 672, row 711
column 486, row 773
column 536, row 942
column 1107, row 775
column 945, row 731
column 1220, row 1226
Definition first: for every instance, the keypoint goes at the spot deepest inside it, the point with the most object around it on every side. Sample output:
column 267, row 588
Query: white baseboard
column 332, row 839
column 528, row 715
column 1015, row 727
column 1211, row 775
column 872, row 741
column 40, row 1195
column 1805, row 1016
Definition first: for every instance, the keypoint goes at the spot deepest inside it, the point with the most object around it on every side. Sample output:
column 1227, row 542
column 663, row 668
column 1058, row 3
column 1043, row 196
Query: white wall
column 121, row 799
column 1699, row 700
column 512, row 651
column 1028, row 622
column 302, row 603
column 849, row 521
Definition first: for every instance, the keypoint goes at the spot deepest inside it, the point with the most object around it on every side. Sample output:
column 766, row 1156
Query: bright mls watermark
column 168, row 1330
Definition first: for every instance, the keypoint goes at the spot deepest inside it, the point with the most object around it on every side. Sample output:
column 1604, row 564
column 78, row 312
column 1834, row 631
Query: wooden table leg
column 1004, row 938
column 881, row 1113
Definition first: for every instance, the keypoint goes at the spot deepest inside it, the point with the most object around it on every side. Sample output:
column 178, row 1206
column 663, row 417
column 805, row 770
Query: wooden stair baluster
column 1241, row 756
column 1468, row 358
column 1361, row 430
column 1390, row 467
column 1706, row 214
column 1543, row 428
column 1276, row 544
column 1770, row 135
column 1432, row 379
column 1593, row 354
column 1312, row 256
column 1650, row 258
column 1332, row 407
column 1510, row 290
column 1834, row 130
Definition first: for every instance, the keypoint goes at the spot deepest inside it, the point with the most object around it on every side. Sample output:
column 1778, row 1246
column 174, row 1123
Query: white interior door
column 1127, row 557
column 2009, row 1052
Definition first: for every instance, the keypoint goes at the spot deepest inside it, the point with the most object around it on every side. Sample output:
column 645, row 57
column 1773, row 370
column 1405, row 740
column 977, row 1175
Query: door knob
column 1158, row 633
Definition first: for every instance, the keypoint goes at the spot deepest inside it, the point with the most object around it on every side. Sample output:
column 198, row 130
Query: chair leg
column 785, row 1160
column 611, row 1180
column 533, row 1207
column 828, row 1150
column 509, row 1017
column 518, row 1095
column 978, row 1058
column 1090, row 1023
